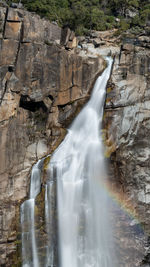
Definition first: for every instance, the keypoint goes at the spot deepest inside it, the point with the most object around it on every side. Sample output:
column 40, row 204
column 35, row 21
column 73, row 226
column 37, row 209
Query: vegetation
column 84, row 15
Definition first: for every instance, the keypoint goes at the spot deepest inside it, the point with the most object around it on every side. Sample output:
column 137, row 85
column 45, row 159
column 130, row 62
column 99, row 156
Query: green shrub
column 84, row 15
column 136, row 21
column 81, row 31
column 124, row 25
column 134, row 3
column 145, row 15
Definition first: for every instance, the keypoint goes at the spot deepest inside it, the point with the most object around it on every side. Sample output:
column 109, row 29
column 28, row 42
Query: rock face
column 127, row 123
column 42, row 87
column 128, row 110
column 126, row 126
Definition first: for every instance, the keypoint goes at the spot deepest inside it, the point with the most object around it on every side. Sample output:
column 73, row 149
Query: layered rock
column 42, row 87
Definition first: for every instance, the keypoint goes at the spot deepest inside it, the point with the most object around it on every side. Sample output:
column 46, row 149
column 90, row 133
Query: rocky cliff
column 127, row 124
column 42, row 87
column 127, row 111
column 126, row 135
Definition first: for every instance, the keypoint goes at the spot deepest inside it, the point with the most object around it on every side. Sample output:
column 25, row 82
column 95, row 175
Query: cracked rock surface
column 42, row 87
column 127, row 124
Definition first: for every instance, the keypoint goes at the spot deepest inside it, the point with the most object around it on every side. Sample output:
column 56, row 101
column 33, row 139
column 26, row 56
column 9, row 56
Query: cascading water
column 29, row 245
column 77, row 168
column 83, row 221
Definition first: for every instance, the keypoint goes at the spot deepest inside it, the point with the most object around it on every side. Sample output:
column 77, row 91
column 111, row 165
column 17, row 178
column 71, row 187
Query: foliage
column 84, row 15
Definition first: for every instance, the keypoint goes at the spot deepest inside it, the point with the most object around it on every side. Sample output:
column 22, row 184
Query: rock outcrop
column 126, row 135
column 127, row 124
column 42, row 87
column 127, row 110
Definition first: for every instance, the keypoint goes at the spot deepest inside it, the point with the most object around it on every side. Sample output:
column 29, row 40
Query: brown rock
column 8, row 52
column 12, row 30
column 35, row 31
column 75, row 93
column 43, row 86
column 39, row 73
column 68, row 39
column 65, row 34
column 15, row 15
column 72, row 44
column 63, row 98
column 128, row 47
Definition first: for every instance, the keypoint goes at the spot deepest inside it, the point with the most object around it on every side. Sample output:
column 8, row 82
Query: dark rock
column 97, row 42
column 16, row 5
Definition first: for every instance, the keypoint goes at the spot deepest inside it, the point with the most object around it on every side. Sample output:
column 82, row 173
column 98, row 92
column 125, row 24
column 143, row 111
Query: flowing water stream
column 29, row 245
column 78, row 168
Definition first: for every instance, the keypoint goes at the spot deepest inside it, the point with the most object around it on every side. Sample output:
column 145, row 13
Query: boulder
column 68, row 38
column 97, row 42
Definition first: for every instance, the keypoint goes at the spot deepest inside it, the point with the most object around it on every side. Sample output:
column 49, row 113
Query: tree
column 81, row 15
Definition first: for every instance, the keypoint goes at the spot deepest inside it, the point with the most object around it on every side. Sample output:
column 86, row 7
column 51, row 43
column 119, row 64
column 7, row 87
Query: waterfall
column 29, row 246
column 77, row 177
column 84, row 234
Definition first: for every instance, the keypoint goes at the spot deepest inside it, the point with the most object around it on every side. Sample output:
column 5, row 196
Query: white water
column 77, row 168
column 83, row 220
column 29, row 246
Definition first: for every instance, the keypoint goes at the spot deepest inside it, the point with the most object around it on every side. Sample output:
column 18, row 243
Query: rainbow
column 123, row 203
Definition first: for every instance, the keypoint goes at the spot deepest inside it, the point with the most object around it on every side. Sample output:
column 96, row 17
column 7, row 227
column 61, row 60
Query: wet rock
column 127, row 121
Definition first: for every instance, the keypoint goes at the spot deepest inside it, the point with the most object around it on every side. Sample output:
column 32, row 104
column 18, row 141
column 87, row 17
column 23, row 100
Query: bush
column 136, row 21
column 134, row 3
column 81, row 30
column 84, row 15
column 124, row 25
column 145, row 15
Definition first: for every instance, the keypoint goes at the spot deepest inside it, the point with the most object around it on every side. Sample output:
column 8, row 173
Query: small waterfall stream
column 78, row 168
column 29, row 246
